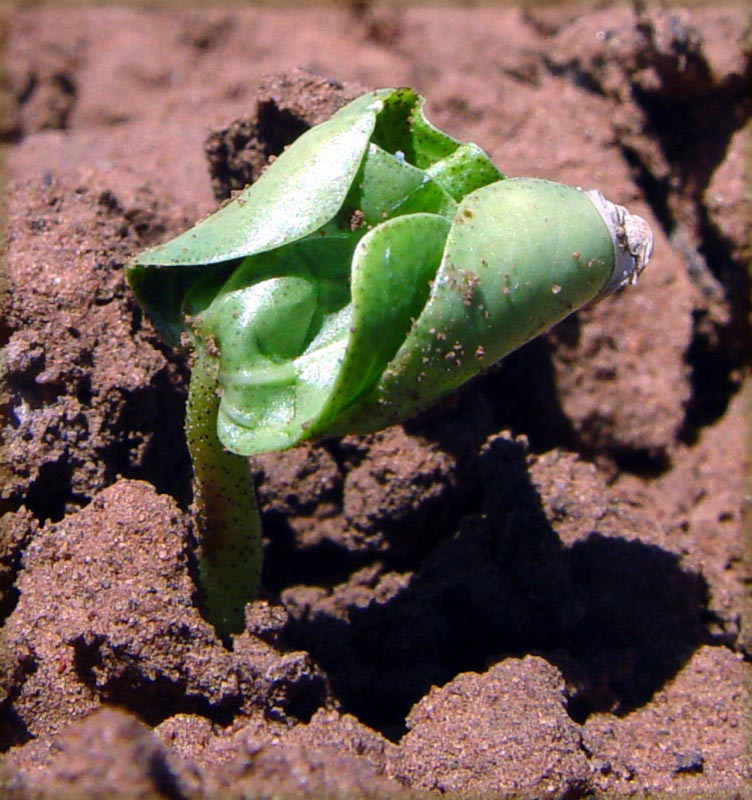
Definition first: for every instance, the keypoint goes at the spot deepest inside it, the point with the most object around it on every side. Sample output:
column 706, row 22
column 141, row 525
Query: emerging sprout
column 374, row 267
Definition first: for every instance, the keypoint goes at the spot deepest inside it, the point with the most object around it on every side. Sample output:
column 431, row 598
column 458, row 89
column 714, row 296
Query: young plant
column 375, row 266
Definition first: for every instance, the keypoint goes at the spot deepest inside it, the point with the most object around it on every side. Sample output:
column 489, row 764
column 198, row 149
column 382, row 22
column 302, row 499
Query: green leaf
column 388, row 186
column 521, row 255
column 278, row 325
column 392, row 272
column 375, row 266
column 402, row 127
column 299, row 192
column 294, row 350
column 468, row 168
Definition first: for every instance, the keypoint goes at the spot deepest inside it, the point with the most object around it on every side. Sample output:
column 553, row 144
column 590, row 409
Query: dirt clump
column 535, row 743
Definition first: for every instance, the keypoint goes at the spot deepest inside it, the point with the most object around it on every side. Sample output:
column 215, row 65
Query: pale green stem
column 227, row 514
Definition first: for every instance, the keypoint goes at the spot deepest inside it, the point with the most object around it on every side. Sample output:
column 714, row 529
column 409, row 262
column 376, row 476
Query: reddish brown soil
column 537, row 589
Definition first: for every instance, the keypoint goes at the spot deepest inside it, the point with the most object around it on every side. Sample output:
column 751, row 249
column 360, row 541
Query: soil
column 537, row 589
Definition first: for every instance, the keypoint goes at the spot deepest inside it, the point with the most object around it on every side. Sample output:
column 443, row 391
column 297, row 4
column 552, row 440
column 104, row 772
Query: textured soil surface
column 536, row 589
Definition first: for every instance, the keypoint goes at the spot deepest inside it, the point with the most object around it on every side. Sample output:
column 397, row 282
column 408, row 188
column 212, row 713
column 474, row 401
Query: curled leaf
column 375, row 266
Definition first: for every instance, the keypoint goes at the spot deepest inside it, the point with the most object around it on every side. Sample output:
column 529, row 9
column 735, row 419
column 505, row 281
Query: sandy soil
column 537, row 589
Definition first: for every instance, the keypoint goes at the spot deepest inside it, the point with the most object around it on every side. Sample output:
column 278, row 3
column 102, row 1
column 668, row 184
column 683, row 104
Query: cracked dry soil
column 535, row 590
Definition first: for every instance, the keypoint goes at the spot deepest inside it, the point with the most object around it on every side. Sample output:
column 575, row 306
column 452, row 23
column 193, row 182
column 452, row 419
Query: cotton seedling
column 375, row 266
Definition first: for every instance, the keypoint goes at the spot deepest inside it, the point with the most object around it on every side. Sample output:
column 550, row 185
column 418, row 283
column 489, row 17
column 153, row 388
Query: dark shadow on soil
column 525, row 397
column 156, row 451
column 518, row 394
column 618, row 617
column 286, row 564
column 522, row 396
column 152, row 699
column 693, row 120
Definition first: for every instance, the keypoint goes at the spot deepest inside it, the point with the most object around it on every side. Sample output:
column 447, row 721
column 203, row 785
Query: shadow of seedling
column 617, row 617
